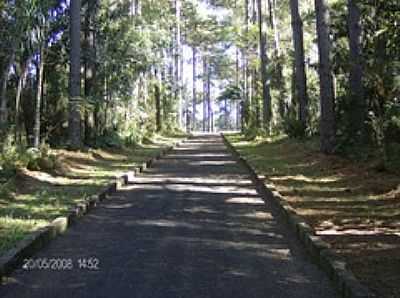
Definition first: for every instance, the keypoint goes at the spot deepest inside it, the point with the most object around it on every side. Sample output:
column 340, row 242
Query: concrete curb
column 35, row 241
column 344, row 280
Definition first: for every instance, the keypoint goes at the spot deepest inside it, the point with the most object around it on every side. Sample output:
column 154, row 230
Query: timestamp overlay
column 61, row 264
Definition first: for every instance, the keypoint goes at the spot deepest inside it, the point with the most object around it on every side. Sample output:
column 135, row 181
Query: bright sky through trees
column 205, row 10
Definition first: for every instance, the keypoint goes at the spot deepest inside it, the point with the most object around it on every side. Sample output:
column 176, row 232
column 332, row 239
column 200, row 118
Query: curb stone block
column 338, row 268
column 120, row 181
column 270, row 186
column 286, row 206
column 326, row 259
column 149, row 163
column 59, row 226
column 130, row 176
column 315, row 245
column 276, row 194
column 126, row 179
column 102, row 196
column 304, row 231
column 94, row 201
column 351, row 282
column 111, row 188
column 81, row 208
column 294, row 221
column 261, row 177
column 72, row 216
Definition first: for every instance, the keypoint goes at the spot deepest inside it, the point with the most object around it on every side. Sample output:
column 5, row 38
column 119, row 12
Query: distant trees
column 338, row 80
column 331, row 102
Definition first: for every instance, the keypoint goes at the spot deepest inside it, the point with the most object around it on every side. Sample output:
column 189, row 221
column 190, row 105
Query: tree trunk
column 357, row 111
column 267, row 109
column 87, row 73
column 226, row 114
column 96, row 119
column 164, row 83
column 194, row 88
column 74, row 124
column 209, row 106
column 277, row 56
column 327, row 122
column 246, row 95
column 157, row 95
column 178, row 95
column 36, row 129
column 204, row 93
column 3, row 92
column 238, row 120
column 184, row 101
column 90, row 71
column 21, row 84
column 300, row 73
column 137, row 7
column 237, row 73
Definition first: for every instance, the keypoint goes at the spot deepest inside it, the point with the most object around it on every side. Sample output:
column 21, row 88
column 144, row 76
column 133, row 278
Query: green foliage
column 41, row 159
column 13, row 158
column 393, row 125
column 110, row 139
column 393, row 157
column 133, row 51
column 253, row 133
column 294, row 128
column 231, row 92
column 32, row 156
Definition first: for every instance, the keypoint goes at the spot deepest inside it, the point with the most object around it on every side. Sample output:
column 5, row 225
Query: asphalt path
column 191, row 226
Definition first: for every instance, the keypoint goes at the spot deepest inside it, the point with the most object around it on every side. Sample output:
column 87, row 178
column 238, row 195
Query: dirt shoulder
column 351, row 205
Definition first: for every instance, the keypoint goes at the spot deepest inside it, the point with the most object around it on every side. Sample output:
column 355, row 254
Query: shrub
column 110, row 139
column 252, row 133
column 34, row 159
column 9, row 161
column 33, row 155
column 294, row 128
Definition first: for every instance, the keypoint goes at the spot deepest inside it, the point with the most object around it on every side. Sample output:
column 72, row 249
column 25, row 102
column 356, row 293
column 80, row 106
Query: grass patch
column 350, row 204
column 32, row 199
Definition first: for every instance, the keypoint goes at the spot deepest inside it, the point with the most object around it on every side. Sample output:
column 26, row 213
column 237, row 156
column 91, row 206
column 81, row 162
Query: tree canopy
column 303, row 68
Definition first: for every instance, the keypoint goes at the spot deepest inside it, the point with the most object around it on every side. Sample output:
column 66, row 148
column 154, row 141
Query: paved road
column 192, row 226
